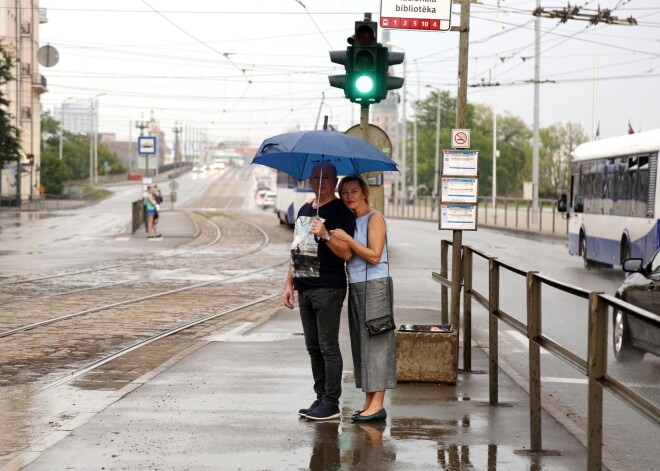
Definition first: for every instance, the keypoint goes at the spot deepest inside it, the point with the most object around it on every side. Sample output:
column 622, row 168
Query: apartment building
column 19, row 33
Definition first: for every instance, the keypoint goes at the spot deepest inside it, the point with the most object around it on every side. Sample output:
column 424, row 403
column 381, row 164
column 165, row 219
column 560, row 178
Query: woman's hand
column 340, row 234
column 318, row 228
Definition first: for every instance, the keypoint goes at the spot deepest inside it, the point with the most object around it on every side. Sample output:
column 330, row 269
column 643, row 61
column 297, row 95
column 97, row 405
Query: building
column 19, row 32
column 75, row 116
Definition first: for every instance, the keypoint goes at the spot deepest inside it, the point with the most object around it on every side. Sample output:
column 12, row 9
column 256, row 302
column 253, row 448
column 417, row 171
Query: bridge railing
column 594, row 367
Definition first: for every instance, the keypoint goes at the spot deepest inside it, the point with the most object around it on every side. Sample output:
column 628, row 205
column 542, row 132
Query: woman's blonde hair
column 361, row 181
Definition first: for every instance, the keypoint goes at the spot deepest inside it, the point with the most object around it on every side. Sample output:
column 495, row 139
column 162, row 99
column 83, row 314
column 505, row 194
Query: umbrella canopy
column 296, row 153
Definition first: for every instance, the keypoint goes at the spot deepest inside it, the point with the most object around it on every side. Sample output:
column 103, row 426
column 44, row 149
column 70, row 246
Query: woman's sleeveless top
column 357, row 266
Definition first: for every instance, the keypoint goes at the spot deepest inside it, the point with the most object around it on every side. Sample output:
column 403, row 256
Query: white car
column 265, row 198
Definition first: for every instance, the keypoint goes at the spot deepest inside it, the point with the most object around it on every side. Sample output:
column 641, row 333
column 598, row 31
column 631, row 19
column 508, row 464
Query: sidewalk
column 232, row 402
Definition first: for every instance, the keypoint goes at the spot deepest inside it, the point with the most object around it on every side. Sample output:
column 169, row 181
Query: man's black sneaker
column 323, row 411
column 303, row 412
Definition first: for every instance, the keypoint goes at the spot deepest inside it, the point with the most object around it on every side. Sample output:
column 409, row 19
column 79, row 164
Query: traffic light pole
column 461, row 122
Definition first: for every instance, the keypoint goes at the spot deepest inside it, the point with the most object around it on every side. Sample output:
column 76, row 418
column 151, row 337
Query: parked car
column 632, row 337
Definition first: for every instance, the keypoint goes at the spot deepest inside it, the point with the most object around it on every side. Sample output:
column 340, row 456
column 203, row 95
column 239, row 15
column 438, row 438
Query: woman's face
column 352, row 195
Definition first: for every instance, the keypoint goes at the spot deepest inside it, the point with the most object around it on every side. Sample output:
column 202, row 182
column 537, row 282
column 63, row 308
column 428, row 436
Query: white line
column 522, row 339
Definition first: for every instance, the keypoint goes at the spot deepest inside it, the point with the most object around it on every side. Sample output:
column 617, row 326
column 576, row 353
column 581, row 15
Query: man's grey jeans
column 320, row 312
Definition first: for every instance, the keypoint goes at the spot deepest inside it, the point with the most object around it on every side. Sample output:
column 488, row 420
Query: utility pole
column 535, row 136
column 142, row 125
column 177, row 143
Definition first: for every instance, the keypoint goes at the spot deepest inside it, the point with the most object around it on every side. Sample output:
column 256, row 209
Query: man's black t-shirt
column 313, row 264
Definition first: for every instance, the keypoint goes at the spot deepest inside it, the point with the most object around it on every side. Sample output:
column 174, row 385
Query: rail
column 508, row 213
column 594, row 367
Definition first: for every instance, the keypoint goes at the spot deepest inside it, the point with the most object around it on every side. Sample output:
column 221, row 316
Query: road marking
column 522, row 339
column 549, row 379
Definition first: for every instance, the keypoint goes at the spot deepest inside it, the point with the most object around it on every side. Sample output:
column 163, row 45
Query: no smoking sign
column 460, row 138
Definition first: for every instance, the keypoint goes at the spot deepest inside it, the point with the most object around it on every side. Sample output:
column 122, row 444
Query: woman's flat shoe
column 380, row 415
column 357, row 412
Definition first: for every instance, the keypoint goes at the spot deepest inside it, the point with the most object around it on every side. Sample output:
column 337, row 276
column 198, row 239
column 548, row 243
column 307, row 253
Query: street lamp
column 437, row 142
column 62, row 123
column 93, row 143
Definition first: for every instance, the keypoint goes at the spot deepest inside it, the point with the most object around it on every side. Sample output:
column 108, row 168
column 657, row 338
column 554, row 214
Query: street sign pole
column 461, row 123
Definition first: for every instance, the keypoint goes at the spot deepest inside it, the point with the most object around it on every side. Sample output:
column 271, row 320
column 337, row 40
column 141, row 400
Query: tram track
column 151, row 265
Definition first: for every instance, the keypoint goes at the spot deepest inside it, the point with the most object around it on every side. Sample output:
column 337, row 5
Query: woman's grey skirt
column 374, row 357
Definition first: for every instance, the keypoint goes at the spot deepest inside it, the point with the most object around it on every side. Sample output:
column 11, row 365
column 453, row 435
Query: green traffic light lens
column 364, row 84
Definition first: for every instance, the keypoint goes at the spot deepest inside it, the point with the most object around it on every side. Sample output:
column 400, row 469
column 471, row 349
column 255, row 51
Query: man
column 317, row 273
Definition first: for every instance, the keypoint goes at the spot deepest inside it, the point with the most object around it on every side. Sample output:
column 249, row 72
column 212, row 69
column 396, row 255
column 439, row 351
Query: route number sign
column 430, row 15
column 460, row 138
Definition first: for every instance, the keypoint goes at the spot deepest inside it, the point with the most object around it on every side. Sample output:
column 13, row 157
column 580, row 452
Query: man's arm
column 338, row 247
column 289, row 296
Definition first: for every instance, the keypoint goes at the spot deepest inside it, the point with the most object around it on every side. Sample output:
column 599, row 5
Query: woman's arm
column 377, row 231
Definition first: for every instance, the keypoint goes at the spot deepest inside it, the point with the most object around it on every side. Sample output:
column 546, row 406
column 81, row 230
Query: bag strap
column 366, row 267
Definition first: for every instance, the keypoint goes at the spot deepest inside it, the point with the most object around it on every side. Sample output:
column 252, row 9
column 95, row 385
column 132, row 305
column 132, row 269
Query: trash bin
column 426, row 353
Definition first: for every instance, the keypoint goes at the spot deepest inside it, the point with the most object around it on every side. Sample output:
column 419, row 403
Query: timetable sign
column 416, row 15
column 461, row 217
column 459, row 190
column 460, row 162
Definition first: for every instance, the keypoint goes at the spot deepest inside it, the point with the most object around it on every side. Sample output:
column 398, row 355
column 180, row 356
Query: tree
column 557, row 143
column 75, row 152
column 513, row 142
column 10, row 141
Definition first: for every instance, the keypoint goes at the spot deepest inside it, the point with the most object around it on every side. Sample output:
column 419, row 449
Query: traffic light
column 364, row 82
column 386, row 58
column 366, row 62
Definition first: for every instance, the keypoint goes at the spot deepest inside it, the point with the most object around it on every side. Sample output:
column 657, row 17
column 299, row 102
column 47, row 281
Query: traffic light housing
column 366, row 62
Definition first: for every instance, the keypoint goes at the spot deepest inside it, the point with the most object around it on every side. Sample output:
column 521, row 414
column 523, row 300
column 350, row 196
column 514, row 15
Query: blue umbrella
column 296, row 153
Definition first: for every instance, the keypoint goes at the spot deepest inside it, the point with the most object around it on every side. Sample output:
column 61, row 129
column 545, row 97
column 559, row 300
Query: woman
column 150, row 208
column 374, row 357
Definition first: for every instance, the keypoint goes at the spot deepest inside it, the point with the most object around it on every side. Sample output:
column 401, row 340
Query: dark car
column 633, row 337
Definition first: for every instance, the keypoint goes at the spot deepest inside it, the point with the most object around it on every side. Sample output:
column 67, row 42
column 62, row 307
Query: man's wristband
column 327, row 237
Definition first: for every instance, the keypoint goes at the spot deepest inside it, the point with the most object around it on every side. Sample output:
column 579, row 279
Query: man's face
column 326, row 177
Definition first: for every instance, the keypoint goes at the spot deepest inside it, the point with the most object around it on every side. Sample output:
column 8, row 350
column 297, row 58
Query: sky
column 248, row 70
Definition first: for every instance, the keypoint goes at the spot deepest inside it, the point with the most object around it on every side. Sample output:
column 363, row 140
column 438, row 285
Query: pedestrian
column 150, row 209
column 369, row 297
column 317, row 272
column 159, row 199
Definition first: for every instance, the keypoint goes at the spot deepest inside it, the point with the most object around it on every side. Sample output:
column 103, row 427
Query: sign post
column 147, row 147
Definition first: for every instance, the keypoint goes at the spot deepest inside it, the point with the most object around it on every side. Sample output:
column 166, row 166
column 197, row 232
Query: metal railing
column 45, row 202
column 509, row 213
column 594, row 367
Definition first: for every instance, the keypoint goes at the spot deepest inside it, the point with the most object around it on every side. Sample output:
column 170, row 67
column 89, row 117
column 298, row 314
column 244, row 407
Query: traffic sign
column 403, row 14
column 460, row 138
column 146, row 145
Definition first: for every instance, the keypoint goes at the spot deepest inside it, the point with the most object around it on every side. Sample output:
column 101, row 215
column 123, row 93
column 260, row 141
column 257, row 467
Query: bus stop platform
column 230, row 402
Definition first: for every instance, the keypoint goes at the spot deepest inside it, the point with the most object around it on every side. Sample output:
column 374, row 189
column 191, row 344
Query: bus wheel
column 588, row 264
column 621, row 341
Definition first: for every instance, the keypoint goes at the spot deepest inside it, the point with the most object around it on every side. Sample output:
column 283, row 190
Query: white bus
column 292, row 194
column 613, row 204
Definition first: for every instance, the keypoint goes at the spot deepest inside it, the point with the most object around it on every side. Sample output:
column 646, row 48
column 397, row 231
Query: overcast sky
column 248, row 70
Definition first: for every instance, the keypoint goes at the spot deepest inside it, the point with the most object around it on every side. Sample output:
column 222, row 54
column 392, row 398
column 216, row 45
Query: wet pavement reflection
column 377, row 446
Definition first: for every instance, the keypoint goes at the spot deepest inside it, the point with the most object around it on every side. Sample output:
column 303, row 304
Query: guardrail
column 509, row 213
column 594, row 367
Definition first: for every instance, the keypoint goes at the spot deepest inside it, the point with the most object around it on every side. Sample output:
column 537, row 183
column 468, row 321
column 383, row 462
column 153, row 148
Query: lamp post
column 95, row 136
column 437, row 143
column 62, row 124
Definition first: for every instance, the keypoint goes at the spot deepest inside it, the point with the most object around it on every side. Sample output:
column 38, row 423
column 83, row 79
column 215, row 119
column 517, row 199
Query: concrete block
column 426, row 357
